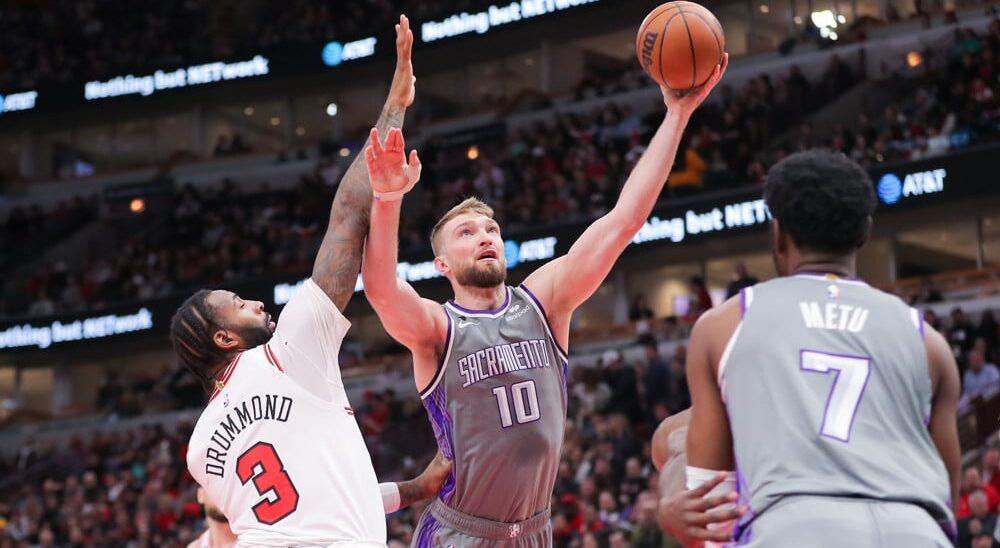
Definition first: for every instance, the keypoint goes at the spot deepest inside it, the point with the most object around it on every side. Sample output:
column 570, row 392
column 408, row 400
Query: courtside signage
column 98, row 327
column 693, row 223
column 891, row 188
column 492, row 17
column 515, row 253
column 13, row 102
column 194, row 75
column 335, row 53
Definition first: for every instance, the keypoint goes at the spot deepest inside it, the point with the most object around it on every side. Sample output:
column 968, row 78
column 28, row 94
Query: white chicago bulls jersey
column 287, row 464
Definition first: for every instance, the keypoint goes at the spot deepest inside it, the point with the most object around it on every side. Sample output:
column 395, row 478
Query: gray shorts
column 832, row 522
column 444, row 527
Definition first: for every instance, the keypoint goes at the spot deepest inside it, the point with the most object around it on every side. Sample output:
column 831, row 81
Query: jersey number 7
column 849, row 381
column 261, row 464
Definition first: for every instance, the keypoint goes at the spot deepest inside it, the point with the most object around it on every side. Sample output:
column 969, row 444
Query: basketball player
column 836, row 400
column 490, row 364
column 705, row 513
column 277, row 447
column 217, row 532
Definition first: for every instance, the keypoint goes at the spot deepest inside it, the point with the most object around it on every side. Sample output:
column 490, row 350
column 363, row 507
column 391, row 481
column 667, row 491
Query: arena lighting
column 248, row 111
column 914, row 59
column 825, row 21
column 194, row 75
column 275, row 121
column 472, row 153
column 137, row 205
column 494, row 16
column 345, row 152
column 331, row 109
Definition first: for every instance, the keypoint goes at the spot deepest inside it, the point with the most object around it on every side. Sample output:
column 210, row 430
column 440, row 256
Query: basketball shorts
column 833, row 522
column 444, row 527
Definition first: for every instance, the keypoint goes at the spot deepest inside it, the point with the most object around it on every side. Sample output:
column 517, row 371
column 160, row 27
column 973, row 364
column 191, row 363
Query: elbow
column 625, row 223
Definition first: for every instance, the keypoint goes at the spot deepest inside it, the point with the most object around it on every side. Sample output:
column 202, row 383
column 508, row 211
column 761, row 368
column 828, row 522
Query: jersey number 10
column 525, row 403
column 849, row 381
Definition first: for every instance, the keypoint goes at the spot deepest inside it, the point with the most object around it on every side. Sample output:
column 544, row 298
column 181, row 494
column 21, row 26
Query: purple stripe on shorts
column 428, row 526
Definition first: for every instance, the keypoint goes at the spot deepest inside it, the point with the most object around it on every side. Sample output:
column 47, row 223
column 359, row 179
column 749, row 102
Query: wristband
column 390, row 496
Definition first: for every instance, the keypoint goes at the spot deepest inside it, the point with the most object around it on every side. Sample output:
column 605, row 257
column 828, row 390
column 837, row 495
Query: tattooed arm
column 338, row 262
column 399, row 495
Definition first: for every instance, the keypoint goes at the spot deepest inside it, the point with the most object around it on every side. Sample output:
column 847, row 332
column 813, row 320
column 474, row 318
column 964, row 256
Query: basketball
column 679, row 43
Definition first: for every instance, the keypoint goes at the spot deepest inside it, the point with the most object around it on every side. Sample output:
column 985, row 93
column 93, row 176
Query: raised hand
column 403, row 88
column 688, row 514
column 685, row 102
column 390, row 174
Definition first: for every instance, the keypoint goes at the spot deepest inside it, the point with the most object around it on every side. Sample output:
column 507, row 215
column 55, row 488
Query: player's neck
column 219, row 534
column 480, row 298
column 844, row 266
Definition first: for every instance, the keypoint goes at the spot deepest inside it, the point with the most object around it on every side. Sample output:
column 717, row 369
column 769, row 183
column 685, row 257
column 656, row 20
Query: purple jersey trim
column 545, row 317
column 471, row 311
column 743, row 302
column 444, row 432
column 441, row 363
column 741, row 531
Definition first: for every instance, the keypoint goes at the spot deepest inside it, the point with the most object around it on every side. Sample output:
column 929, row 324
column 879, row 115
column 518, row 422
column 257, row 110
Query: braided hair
column 191, row 333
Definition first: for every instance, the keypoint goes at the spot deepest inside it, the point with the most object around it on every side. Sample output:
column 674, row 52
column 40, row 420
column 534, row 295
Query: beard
column 482, row 276
column 254, row 336
column 215, row 514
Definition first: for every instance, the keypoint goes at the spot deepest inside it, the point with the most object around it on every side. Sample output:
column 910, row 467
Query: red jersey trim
column 219, row 385
column 272, row 359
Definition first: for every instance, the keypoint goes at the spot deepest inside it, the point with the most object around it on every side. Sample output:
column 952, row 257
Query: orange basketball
column 679, row 44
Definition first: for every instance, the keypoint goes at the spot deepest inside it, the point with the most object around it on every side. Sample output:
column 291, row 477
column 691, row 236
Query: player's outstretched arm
column 417, row 323
column 943, row 425
column 563, row 284
column 428, row 484
column 339, row 259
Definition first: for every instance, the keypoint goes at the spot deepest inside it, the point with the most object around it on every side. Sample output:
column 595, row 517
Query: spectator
column 624, row 386
column 991, row 468
column 656, row 380
column 639, row 309
column 688, row 174
column 972, row 483
column 741, row 279
column 980, row 520
column 592, row 393
column 701, row 301
column 980, row 378
column 962, row 332
column 989, row 330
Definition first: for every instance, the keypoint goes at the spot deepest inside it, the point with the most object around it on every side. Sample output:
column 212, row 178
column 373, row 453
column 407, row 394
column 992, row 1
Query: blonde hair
column 469, row 205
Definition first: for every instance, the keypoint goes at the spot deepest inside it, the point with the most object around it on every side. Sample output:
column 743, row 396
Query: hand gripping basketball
column 390, row 174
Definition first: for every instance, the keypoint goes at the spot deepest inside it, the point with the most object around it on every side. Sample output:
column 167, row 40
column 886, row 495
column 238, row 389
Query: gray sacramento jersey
column 498, row 408
column 827, row 389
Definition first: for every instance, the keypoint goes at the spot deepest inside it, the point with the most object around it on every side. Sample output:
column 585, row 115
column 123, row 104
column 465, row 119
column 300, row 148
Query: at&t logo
column 892, row 189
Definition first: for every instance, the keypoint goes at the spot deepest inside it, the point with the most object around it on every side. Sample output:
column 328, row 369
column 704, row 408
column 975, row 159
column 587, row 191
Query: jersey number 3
column 261, row 464
column 849, row 381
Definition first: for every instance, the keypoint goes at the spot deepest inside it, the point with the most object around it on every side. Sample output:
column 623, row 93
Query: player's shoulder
column 730, row 311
